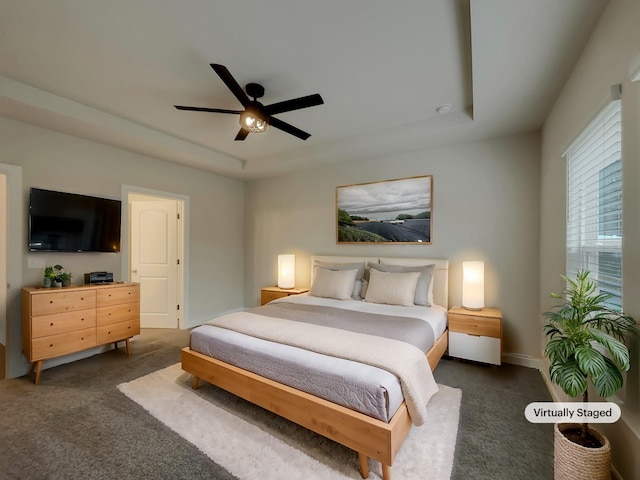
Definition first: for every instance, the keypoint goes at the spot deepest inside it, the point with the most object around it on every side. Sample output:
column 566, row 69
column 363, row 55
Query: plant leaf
column 617, row 349
column 590, row 360
column 569, row 377
column 609, row 381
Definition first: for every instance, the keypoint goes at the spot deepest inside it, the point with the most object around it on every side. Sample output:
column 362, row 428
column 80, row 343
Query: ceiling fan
column 256, row 117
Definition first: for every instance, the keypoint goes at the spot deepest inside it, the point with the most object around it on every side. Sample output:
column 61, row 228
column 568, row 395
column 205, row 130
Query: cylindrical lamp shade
column 286, row 271
column 473, row 285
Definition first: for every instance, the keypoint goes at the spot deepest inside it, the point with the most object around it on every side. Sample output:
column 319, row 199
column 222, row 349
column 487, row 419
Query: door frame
column 182, row 241
column 15, row 247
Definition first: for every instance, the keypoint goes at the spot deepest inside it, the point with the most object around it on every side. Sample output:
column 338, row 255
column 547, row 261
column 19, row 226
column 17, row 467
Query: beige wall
column 61, row 162
column 485, row 207
column 604, row 62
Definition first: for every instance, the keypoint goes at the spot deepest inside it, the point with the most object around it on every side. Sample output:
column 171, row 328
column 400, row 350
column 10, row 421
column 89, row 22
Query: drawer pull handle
column 51, row 344
column 51, row 324
column 82, row 338
column 50, row 301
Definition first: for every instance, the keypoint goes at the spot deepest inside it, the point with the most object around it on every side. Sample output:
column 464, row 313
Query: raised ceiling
column 111, row 71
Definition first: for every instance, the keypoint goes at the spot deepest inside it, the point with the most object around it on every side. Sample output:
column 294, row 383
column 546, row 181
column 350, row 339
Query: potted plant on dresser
column 48, row 277
column 586, row 345
column 56, row 276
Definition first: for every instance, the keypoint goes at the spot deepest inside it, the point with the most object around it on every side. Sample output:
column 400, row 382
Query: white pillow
column 357, row 285
column 424, row 289
column 336, row 284
column 392, row 288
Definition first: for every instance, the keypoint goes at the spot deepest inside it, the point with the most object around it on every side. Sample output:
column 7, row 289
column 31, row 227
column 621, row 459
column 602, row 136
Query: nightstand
column 476, row 334
column 271, row 293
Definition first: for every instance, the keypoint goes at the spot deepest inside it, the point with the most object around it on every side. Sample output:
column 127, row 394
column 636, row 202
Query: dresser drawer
column 60, row 301
column 118, row 313
column 117, row 295
column 44, row 325
column 488, row 327
column 63, row 343
column 477, row 348
column 117, row 331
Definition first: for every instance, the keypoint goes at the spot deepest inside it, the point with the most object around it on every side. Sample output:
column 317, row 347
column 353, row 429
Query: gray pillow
column 424, row 282
column 359, row 266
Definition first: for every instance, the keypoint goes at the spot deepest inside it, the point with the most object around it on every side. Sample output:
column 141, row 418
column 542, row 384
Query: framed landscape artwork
column 391, row 211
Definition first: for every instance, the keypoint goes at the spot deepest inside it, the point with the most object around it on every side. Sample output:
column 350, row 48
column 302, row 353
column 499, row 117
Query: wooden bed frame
column 370, row 437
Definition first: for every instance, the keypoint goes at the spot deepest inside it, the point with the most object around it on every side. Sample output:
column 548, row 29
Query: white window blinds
column 594, row 203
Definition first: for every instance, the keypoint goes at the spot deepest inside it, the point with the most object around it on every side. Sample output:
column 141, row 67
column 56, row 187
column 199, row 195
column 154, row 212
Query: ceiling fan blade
column 294, row 104
column 285, row 127
column 242, row 134
column 231, row 83
column 203, row 109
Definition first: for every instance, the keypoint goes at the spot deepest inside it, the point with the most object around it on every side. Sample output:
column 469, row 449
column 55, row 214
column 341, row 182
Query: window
column 594, row 203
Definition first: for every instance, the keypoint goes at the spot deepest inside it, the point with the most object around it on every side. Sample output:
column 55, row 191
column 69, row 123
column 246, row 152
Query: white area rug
column 253, row 443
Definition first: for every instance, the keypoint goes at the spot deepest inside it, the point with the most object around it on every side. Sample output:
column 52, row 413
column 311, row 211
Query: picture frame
column 397, row 211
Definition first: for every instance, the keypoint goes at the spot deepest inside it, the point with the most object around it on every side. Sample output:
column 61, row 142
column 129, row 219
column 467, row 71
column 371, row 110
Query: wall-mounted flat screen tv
column 67, row 222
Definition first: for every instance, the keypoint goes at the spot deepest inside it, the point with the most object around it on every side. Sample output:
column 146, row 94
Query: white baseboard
column 522, row 360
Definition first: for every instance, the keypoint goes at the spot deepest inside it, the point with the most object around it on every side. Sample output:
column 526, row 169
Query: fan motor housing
column 254, row 90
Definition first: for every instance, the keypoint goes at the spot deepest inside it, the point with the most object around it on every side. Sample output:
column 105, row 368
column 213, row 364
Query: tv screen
column 67, row 222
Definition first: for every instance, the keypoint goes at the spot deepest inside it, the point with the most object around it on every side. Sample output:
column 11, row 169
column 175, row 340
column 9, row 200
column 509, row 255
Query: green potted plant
column 65, row 278
column 586, row 345
column 58, row 275
column 48, row 277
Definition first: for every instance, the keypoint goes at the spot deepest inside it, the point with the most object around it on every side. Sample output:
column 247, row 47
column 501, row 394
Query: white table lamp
column 473, row 285
column 286, row 271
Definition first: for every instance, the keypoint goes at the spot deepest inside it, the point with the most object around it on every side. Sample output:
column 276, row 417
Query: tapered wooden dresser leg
column 38, row 372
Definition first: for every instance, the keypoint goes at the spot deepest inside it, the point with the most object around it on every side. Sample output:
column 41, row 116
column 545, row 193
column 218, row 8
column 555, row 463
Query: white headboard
column 441, row 277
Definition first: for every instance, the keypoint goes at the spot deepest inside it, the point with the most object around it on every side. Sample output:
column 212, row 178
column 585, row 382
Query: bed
column 375, row 430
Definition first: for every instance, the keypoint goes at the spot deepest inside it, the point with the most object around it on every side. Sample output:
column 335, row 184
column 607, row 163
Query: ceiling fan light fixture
column 253, row 123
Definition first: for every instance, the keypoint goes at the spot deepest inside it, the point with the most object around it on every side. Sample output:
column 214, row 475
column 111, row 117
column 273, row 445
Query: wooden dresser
column 60, row 321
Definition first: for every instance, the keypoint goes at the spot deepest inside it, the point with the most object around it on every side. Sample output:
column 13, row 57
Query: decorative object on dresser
column 98, row 278
column 56, row 276
column 65, row 321
column 271, row 293
column 476, row 334
column 48, row 276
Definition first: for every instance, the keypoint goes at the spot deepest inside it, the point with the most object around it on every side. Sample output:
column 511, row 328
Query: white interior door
column 154, row 261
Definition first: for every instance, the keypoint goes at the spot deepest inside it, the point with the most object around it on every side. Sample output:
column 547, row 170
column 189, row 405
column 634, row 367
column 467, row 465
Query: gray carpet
column 495, row 441
column 76, row 424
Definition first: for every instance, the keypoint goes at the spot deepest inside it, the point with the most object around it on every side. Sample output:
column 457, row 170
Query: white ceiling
column 111, row 71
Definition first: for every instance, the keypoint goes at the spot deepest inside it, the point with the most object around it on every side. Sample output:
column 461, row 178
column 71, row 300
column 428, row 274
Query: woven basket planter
column 575, row 462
